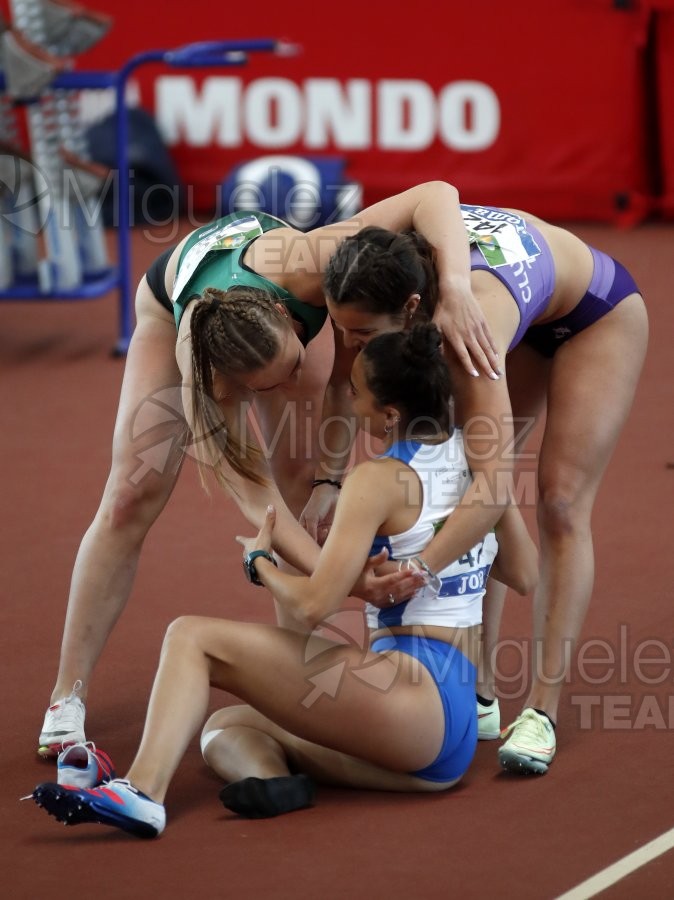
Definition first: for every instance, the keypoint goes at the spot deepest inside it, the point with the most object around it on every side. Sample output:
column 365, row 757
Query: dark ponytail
column 407, row 369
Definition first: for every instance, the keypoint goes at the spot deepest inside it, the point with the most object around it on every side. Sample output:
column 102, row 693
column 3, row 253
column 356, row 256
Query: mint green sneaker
column 488, row 721
column 531, row 744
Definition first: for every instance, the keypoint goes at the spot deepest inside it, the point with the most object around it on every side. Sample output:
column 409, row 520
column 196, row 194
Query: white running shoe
column 63, row 724
column 488, row 721
column 83, row 766
column 531, row 744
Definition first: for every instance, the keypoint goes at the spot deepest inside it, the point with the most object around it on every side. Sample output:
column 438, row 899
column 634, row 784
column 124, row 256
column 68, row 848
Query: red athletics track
column 609, row 792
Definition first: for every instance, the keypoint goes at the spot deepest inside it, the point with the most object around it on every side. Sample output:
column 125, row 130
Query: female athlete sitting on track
column 574, row 328
column 238, row 337
column 397, row 716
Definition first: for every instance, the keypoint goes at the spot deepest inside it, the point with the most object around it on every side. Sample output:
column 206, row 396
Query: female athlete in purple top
column 531, row 281
column 574, row 327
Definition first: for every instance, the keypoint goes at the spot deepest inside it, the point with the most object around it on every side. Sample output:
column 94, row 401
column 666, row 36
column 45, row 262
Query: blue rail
column 197, row 55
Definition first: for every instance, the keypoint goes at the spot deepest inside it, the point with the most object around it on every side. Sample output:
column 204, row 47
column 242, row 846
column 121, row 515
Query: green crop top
column 212, row 257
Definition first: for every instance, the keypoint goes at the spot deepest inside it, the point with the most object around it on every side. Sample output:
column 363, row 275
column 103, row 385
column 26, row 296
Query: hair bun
column 421, row 343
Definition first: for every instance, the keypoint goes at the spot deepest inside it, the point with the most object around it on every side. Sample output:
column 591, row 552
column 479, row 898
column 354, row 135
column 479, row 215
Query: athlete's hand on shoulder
column 460, row 318
column 377, row 587
column 263, row 539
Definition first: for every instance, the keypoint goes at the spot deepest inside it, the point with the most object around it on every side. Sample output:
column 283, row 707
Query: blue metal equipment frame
column 198, row 55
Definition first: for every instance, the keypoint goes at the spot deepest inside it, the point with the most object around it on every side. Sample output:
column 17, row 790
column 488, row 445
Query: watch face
column 249, row 565
column 247, row 568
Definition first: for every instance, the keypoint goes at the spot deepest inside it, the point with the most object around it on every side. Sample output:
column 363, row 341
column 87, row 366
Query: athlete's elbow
column 525, row 577
column 524, row 582
column 314, row 610
column 306, row 617
column 437, row 185
column 518, row 571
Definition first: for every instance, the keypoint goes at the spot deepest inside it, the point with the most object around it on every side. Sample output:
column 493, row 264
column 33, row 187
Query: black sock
column 261, row 798
column 541, row 712
column 481, row 700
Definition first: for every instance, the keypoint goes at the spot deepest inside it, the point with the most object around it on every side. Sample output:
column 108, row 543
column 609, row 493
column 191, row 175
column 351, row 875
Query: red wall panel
column 524, row 104
column 665, row 103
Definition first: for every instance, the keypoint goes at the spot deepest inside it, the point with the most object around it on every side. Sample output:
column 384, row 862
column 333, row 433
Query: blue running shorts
column 455, row 677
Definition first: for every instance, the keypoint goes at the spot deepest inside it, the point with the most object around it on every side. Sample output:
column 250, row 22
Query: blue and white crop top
column 445, row 475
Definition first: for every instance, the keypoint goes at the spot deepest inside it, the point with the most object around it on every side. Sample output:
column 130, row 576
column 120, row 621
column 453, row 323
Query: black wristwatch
column 249, row 564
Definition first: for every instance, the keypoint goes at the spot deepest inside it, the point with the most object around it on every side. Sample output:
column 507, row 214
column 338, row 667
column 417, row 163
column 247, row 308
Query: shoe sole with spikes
column 521, row 765
column 73, row 807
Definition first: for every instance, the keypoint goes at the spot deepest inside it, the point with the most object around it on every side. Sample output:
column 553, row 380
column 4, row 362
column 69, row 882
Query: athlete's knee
column 562, row 512
column 228, row 717
column 218, row 743
column 132, row 507
column 208, row 735
column 182, row 639
column 228, row 721
column 185, row 630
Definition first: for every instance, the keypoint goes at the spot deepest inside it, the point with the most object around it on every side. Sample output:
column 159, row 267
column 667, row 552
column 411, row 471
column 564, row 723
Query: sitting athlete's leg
column 270, row 668
column 239, row 742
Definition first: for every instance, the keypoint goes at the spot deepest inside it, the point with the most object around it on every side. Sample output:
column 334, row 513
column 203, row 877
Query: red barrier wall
column 665, row 104
column 515, row 103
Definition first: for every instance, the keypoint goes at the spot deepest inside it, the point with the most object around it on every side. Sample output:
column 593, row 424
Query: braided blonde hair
column 233, row 332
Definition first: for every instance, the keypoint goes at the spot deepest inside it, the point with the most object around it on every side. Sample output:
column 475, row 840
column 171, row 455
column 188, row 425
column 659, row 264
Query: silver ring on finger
column 391, row 599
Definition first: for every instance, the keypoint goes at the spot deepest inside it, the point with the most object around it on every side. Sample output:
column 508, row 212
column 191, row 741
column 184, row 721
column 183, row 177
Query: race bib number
column 220, row 237
column 501, row 237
